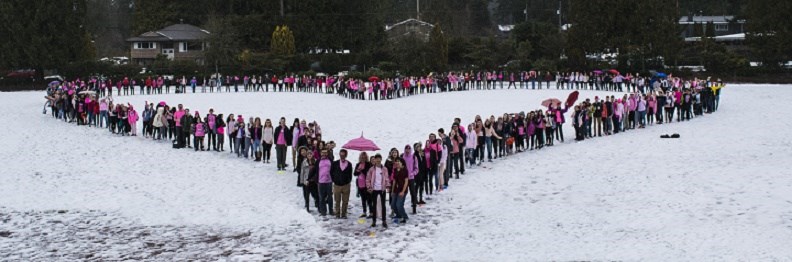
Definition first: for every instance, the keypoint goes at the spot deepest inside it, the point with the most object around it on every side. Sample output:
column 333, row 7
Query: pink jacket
column 385, row 178
column 199, row 129
column 132, row 116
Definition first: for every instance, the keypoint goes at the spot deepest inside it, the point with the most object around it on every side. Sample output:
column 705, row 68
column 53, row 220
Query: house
column 176, row 42
column 727, row 28
column 409, row 27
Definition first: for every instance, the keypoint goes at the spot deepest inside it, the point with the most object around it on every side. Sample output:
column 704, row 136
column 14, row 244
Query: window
column 145, row 45
column 722, row 27
column 190, row 46
column 194, row 46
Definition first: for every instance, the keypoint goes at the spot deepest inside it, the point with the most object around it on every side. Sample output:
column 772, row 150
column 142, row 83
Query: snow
column 721, row 192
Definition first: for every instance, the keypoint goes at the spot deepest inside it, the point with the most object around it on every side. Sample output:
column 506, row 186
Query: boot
column 413, row 210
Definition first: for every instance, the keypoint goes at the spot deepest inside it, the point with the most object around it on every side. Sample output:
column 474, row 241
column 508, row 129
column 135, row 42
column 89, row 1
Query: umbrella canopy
column 598, row 72
column 661, row 75
column 573, row 97
column 87, row 92
column 614, row 71
column 361, row 144
column 54, row 83
column 373, row 79
column 551, row 101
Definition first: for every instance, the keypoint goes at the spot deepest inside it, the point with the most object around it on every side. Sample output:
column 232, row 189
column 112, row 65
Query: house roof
column 175, row 32
column 718, row 19
column 723, row 38
column 408, row 21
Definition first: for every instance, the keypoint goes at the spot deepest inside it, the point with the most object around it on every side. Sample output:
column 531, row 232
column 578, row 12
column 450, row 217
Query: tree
column 43, row 34
column 438, row 45
column 223, row 43
column 769, row 31
column 282, row 42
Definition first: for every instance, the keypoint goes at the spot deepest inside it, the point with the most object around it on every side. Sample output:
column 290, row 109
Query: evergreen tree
column 439, row 48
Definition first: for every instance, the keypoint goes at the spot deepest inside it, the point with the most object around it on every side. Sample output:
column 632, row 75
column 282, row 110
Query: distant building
column 176, row 42
column 727, row 28
column 409, row 27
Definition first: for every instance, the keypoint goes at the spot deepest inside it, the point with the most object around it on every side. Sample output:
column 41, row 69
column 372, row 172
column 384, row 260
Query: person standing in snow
column 306, row 178
column 341, row 172
column 199, row 131
column 399, row 191
column 255, row 137
column 268, row 137
column 231, row 129
column 211, row 130
column 322, row 171
column 361, row 171
column 239, row 140
column 221, row 128
column 283, row 137
column 132, row 118
column 411, row 165
column 378, row 184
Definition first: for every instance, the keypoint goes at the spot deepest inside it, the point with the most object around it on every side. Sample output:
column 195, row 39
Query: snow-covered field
column 721, row 192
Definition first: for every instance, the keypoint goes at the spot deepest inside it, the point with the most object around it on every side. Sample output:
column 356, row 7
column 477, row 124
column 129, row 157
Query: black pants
column 420, row 181
column 365, row 200
column 212, row 141
column 265, row 155
column 280, row 153
column 309, row 191
column 560, row 132
column 180, row 138
column 374, row 196
column 454, row 165
column 413, row 194
column 428, row 182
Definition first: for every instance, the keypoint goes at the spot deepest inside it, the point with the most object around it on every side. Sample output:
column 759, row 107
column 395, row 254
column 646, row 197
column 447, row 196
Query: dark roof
column 176, row 32
column 718, row 19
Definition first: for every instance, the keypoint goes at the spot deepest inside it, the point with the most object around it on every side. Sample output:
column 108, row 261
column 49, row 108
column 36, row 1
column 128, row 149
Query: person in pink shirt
column 283, row 139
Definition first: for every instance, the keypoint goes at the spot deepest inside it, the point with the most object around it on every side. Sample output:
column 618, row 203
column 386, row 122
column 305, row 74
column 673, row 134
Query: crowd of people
column 421, row 169
column 375, row 88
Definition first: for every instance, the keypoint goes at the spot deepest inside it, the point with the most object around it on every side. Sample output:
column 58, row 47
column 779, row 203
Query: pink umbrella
column 361, row 144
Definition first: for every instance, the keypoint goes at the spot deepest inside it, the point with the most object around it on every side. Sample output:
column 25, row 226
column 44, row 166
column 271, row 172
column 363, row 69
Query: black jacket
column 287, row 135
column 341, row 177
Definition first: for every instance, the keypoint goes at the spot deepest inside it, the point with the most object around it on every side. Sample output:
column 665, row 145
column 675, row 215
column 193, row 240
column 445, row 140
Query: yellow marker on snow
column 361, row 221
column 371, row 234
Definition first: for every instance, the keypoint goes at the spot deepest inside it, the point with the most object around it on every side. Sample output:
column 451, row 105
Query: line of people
column 422, row 169
column 375, row 88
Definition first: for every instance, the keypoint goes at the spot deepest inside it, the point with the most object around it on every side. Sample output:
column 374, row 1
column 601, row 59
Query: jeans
column 103, row 118
column 341, row 195
column 453, row 168
column 162, row 131
column 471, row 157
column 326, row 198
column 399, row 204
column 488, row 140
column 254, row 148
column 238, row 143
